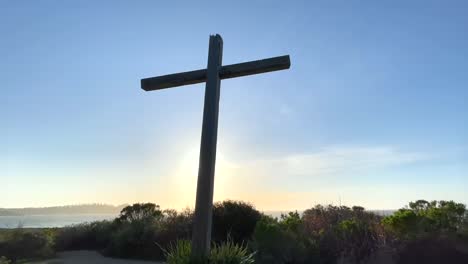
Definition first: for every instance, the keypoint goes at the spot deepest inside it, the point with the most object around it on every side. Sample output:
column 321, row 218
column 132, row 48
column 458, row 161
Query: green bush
column 357, row 239
column 422, row 217
column 135, row 240
column 174, row 226
column 89, row 236
column 404, row 223
column 234, row 219
column 283, row 241
column 350, row 234
column 20, row 244
column 135, row 233
column 429, row 232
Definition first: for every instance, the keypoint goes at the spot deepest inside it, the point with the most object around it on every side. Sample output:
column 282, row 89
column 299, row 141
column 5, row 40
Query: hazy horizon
column 373, row 111
column 114, row 206
column 183, row 208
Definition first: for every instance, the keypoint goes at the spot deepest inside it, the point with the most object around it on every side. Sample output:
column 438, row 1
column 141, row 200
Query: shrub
column 135, row 233
column 432, row 249
column 174, row 226
column 234, row 219
column 424, row 217
column 357, row 239
column 134, row 240
column 343, row 233
column 463, row 231
column 89, row 236
column 429, row 232
column 403, row 223
column 283, row 241
column 20, row 244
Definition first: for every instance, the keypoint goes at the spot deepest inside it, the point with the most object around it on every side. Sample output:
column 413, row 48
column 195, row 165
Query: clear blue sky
column 374, row 110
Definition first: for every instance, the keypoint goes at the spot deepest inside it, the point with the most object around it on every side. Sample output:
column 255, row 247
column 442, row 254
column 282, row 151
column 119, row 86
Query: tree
column 234, row 219
column 422, row 217
column 140, row 212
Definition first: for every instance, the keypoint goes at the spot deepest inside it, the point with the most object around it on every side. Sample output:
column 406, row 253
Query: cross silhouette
column 215, row 72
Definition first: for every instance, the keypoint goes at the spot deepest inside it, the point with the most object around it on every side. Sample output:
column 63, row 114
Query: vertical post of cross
column 201, row 234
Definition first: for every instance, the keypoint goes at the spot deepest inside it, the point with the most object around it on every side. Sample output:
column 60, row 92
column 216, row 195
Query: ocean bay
column 50, row 220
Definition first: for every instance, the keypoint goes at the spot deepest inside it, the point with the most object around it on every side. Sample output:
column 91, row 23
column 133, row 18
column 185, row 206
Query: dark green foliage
column 357, row 239
column 434, row 249
column 282, row 241
column 140, row 212
column 19, row 244
column 134, row 240
column 234, row 219
column 343, row 232
column 430, row 232
column 135, row 233
column 89, row 236
column 142, row 234
column 423, row 217
column 463, row 230
column 421, row 232
column 174, row 226
column 404, row 223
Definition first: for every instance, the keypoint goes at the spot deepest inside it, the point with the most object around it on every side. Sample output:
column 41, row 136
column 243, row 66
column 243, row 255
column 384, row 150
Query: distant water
column 35, row 221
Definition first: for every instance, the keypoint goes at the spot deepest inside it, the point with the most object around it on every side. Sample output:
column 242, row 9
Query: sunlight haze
column 372, row 112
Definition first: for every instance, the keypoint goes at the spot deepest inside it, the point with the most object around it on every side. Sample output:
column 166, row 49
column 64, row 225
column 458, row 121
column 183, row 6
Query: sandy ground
column 88, row 257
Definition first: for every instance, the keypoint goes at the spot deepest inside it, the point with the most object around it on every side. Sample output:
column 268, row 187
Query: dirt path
column 89, row 257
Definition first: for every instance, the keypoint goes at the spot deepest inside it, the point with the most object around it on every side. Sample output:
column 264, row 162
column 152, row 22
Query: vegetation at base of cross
column 429, row 232
column 234, row 219
column 227, row 252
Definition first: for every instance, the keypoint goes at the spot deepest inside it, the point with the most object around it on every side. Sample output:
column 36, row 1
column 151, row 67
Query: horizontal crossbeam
column 226, row 72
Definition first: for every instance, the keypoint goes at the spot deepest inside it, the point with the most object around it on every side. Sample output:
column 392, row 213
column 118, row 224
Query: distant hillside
column 66, row 210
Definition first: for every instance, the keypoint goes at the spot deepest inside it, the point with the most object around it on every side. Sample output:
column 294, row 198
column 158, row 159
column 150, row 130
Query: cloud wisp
column 336, row 160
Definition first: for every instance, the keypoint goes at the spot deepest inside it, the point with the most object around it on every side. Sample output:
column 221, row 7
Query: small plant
column 230, row 253
column 179, row 253
column 224, row 253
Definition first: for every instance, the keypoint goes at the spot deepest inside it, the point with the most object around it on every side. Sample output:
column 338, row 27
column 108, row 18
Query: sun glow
column 183, row 183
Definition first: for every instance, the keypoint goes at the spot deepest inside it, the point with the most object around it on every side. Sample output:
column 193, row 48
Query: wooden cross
column 201, row 234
